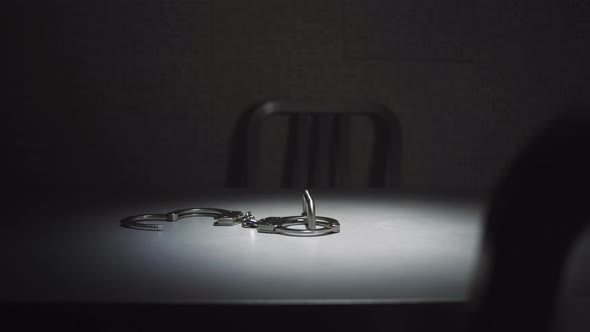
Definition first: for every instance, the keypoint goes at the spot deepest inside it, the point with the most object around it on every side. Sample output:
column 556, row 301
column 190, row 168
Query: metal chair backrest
column 317, row 152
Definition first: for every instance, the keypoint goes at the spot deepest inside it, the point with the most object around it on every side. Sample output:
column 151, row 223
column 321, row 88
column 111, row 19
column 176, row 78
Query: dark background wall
column 120, row 93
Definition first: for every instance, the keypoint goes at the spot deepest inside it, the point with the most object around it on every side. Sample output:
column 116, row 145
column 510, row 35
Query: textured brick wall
column 148, row 92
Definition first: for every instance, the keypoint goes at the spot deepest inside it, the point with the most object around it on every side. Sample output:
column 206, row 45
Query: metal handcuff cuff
column 278, row 225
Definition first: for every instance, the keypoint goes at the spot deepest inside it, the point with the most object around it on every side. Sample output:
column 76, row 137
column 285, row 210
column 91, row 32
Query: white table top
column 391, row 248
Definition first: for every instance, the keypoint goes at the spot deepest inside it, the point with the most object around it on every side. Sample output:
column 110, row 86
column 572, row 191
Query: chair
column 533, row 219
column 318, row 144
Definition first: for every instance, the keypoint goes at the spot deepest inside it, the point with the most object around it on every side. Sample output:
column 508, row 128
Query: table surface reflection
column 391, row 248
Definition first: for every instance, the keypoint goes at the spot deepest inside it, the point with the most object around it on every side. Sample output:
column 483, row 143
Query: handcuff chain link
column 249, row 221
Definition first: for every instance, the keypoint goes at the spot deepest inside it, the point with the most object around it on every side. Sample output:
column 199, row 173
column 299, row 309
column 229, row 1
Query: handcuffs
column 314, row 225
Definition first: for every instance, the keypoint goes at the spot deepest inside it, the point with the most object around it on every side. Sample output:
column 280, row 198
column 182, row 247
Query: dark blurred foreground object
column 535, row 215
column 318, row 148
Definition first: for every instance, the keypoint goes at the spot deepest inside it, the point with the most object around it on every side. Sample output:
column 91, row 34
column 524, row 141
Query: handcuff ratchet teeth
column 277, row 225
